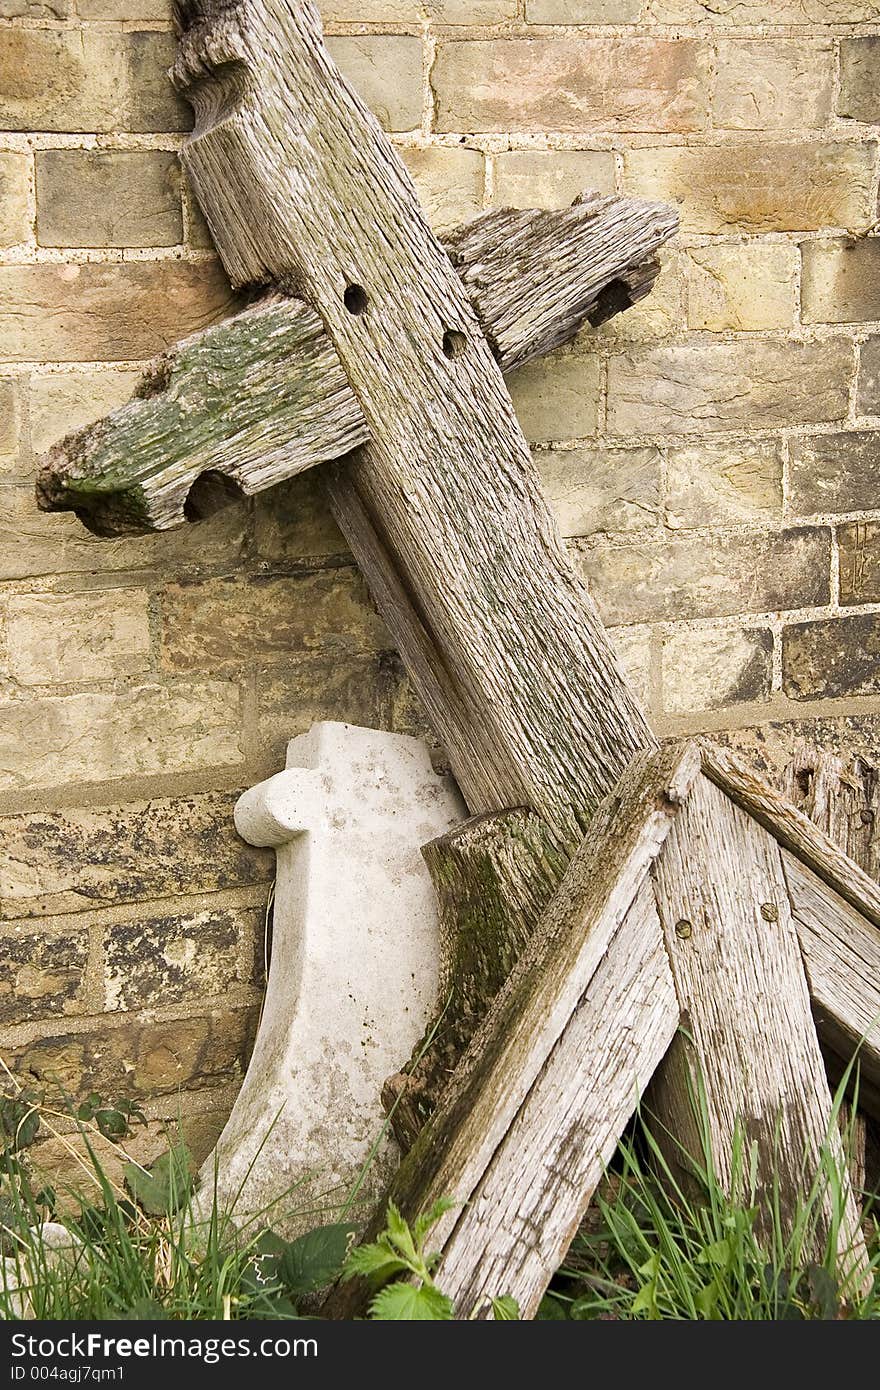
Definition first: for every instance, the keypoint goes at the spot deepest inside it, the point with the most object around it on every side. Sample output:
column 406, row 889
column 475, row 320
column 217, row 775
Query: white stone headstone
column 354, row 970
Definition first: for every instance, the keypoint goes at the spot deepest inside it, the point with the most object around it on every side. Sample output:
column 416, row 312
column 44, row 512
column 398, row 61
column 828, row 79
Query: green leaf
column 551, row 1310
column 377, row 1261
column 706, row 1300
column 163, row 1187
column 19, row 1121
column 314, row 1260
column 400, row 1235
column 505, row 1308
column 406, row 1303
column 428, row 1219
column 718, row 1253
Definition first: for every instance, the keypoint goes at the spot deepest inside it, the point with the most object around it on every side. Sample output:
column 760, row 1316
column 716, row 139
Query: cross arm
column 263, row 396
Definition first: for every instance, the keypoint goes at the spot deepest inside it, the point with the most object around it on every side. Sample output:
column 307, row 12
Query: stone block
column 53, row 639
column 557, row 397
column 89, row 857
column 772, row 84
column 108, row 198
column 550, row 178
column 704, row 387
column 10, row 425
column 386, row 71
column 831, row 473
column 41, row 972
column 647, row 580
column 859, row 543
column 571, row 84
column 750, row 286
column 868, row 389
column 178, row 957
column 449, row 183
column 597, row 489
column 759, row 187
column 711, row 668
column 730, row 483
column 840, row 282
column 61, row 402
column 15, row 212
column 832, row 658
column 859, row 97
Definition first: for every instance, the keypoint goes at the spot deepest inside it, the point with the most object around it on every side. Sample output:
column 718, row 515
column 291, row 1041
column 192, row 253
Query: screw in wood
column 770, row 912
column 684, row 929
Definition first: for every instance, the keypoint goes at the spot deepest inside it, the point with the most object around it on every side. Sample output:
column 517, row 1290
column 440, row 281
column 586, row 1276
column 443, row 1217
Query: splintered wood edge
column 794, row 830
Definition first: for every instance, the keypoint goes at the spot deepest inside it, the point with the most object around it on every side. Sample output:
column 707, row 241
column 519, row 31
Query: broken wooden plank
column 518, row 1037
column 494, row 875
column 842, row 797
column 746, row 1067
column 794, row 830
column 303, row 190
column 842, row 957
column 263, row 396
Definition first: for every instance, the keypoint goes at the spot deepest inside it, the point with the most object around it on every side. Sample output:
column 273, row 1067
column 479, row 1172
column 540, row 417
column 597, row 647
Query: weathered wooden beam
column 842, row 797
column 747, row 1063
column 263, row 396
column 303, row 191
column 507, row 1092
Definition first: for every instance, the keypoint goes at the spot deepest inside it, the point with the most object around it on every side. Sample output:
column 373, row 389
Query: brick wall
column 712, row 458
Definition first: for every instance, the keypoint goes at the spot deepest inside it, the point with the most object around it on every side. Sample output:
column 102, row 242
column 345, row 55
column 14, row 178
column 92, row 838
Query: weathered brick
column 742, row 287
column 841, row 280
column 584, row 11
column 449, row 183
column 370, row 11
column 177, row 957
column 868, row 388
column 603, row 489
column 125, row 11
column 10, row 425
column 34, row 543
column 141, row 1058
column 698, row 577
column 774, row 84
column 60, row 402
column 658, row 315
column 859, row 543
column 386, row 71
column 108, row 198
column 469, row 11
column 55, row 638
column 87, row 313
column 88, row 80
column 550, row 178
column 759, row 188
column 368, row 690
column 294, row 522
column 724, row 484
column 233, row 621
column 41, row 972
column 557, row 397
column 718, row 12
column 860, row 79
column 571, row 84
column 139, row 731
column 35, row 9
column 700, row 388
column 634, row 647
column 831, row 658
column 67, row 861
column 710, row 668
column 15, row 215
column 833, row 473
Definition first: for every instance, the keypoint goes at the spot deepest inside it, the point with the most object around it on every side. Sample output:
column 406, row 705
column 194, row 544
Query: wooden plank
column 513, row 1234
column 794, row 830
column 748, row 1043
column 841, row 797
column 303, row 191
column 511, row 1048
column 494, row 876
column 842, row 957
column 263, row 396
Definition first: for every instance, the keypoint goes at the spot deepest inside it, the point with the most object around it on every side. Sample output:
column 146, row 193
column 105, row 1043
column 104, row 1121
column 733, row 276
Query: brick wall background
column 712, row 456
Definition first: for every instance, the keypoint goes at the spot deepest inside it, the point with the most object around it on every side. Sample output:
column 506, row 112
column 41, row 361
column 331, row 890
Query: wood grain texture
column 514, row 1232
column 842, row 957
column 494, row 876
column 263, row 396
column 303, row 191
column 794, row 830
column 842, row 797
column 516, row 1040
column 748, row 1043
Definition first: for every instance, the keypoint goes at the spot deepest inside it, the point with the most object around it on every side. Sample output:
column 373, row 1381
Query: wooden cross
column 693, row 896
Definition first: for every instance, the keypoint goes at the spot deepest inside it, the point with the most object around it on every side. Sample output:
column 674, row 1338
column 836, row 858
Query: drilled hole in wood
column 355, row 299
column 454, row 343
column 210, row 493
